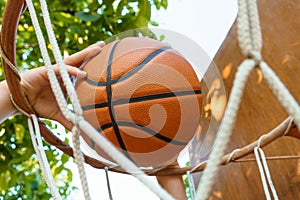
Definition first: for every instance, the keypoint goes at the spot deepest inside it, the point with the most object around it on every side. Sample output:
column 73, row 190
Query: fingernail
column 81, row 74
column 101, row 43
column 96, row 50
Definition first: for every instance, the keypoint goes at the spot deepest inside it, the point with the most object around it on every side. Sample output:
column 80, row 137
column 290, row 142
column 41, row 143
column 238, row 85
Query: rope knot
column 256, row 56
column 77, row 119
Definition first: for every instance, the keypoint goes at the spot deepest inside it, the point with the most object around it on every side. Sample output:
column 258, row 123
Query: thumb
column 63, row 121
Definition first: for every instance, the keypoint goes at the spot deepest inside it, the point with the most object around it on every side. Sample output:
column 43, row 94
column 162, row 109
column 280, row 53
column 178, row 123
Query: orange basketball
column 144, row 97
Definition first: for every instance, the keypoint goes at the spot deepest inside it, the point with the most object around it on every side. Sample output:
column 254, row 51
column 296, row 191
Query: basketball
column 144, row 97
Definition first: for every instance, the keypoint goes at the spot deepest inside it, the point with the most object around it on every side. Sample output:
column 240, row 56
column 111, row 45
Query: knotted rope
column 41, row 156
column 264, row 171
column 59, row 95
column 250, row 42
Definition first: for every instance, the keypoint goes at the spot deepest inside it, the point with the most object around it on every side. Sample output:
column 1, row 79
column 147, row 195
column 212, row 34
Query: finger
column 72, row 71
column 78, row 58
column 99, row 44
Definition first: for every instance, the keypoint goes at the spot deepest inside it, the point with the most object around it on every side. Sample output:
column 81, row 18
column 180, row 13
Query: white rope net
column 250, row 41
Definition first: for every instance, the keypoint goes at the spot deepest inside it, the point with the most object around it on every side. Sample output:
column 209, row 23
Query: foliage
column 187, row 185
column 76, row 24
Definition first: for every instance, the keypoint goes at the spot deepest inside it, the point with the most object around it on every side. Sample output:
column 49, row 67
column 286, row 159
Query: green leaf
column 22, row 157
column 164, row 4
column 162, row 37
column 144, row 13
column 33, row 185
column 153, row 23
column 20, row 132
column 157, row 4
column 120, row 8
column 87, row 17
column 64, row 158
column 26, row 35
column 62, row 17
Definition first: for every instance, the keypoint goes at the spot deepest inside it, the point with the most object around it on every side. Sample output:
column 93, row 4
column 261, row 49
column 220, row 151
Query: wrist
column 7, row 106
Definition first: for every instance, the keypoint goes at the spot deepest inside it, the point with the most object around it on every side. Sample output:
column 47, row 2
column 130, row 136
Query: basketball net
column 250, row 41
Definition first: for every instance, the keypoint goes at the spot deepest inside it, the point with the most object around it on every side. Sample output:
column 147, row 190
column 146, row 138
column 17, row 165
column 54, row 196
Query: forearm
column 7, row 109
column 173, row 184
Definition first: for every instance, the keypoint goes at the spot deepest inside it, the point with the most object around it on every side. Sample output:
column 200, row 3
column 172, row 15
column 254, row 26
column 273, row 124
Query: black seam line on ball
column 142, row 64
column 93, row 144
column 130, row 73
column 156, row 96
column 143, row 98
column 103, row 127
column 145, row 129
column 110, row 106
column 95, row 106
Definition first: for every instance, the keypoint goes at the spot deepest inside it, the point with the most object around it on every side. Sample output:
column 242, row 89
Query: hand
column 37, row 88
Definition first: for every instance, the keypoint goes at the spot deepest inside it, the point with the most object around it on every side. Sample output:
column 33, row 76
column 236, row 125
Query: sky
column 206, row 23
